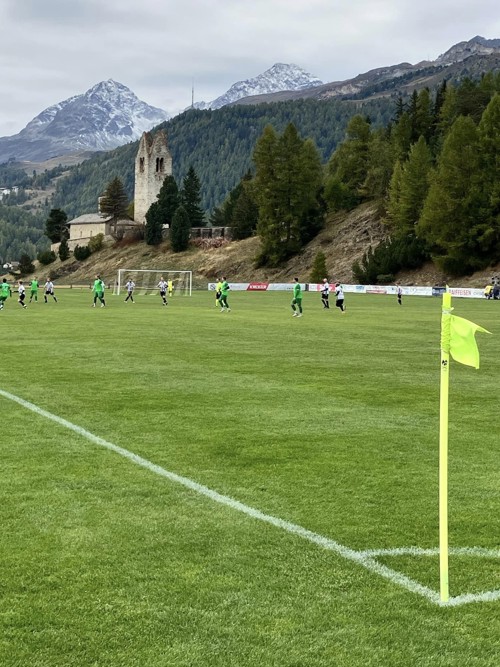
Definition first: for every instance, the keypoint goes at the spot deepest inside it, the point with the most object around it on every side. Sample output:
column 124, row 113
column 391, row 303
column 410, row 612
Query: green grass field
column 328, row 422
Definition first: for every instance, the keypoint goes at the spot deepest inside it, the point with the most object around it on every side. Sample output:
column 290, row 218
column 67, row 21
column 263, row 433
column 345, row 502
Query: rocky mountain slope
column 106, row 116
column 279, row 77
column 470, row 58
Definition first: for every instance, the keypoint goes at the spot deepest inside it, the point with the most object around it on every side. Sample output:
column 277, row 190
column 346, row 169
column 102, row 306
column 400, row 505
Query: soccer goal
column 146, row 281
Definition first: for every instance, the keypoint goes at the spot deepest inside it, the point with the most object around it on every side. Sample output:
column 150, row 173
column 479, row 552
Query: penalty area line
column 365, row 559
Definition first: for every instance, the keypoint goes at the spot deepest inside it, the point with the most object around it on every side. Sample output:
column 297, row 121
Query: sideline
column 364, row 558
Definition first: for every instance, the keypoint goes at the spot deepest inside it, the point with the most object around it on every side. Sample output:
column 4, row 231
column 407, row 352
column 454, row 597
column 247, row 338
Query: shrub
column 64, row 251
column 319, row 268
column 81, row 252
column 96, row 243
column 385, row 279
column 46, row 257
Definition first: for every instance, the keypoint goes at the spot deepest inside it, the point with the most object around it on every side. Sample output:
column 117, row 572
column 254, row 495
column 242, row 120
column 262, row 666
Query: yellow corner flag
column 457, row 339
column 463, row 346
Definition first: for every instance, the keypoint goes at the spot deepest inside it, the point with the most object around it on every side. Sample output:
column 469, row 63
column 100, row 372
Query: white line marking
column 362, row 558
column 477, row 552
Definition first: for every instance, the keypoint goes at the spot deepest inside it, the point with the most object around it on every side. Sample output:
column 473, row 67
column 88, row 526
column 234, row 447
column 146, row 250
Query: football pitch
column 184, row 487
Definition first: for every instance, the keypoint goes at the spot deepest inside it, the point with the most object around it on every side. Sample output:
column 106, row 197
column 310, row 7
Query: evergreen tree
column 56, row 227
column 453, row 216
column 217, row 218
column 25, row 264
column 245, row 215
column 266, row 194
column 380, row 166
column 424, row 121
column 394, row 196
column 153, row 230
column 162, row 211
column 180, row 230
column 414, row 187
column 287, row 190
column 310, row 185
column 349, row 163
column 114, row 202
column 489, row 141
column 401, row 137
column 319, row 271
column 191, row 199
column 63, row 252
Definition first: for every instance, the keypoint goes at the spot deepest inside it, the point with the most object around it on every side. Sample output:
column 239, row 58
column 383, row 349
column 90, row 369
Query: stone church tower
column 152, row 164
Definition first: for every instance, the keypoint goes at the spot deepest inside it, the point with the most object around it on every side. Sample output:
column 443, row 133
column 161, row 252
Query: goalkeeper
column 224, row 290
column 218, row 292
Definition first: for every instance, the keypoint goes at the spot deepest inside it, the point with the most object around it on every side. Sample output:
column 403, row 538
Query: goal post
column 146, row 281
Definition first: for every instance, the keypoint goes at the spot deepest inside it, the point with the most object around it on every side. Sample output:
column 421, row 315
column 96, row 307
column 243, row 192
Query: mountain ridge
column 104, row 117
column 279, row 77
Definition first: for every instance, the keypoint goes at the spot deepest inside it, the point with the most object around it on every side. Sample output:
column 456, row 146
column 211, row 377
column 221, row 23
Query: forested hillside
column 430, row 163
column 219, row 145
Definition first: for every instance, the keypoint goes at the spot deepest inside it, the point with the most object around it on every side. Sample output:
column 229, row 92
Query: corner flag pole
column 443, row 447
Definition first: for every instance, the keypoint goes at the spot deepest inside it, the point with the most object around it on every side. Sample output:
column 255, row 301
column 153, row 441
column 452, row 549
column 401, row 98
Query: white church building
column 152, row 164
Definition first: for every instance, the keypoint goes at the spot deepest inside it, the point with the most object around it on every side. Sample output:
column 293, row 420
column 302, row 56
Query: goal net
column 146, row 281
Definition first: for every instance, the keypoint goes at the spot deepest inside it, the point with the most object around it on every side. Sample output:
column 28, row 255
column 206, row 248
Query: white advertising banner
column 412, row 290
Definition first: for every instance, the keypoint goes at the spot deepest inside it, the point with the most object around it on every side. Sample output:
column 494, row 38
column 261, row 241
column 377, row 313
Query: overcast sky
column 53, row 49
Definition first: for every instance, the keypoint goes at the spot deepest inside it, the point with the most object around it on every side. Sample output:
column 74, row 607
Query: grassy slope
column 343, row 241
column 329, row 421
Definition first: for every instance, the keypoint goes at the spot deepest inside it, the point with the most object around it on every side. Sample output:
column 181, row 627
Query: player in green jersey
column 34, row 289
column 5, row 292
column 297, row 299
column 98, row 290
column 224, row 290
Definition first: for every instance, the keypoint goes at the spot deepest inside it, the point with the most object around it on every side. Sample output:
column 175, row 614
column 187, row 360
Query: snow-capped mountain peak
column 106, row 116
column 279, row 77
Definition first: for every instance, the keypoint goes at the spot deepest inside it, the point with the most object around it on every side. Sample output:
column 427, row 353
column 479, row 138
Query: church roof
column 90, row 219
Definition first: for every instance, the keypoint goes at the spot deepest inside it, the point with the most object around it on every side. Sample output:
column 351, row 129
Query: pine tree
column 162, row 211
column 180, row 230
column 414, row 186
column 63, row 252
column 245, row 216
column 56, row 227
column 489, row 141
column 153, row 230
column 114, row 203
column 453, row 216
column 380, row 166
column 287, row 189
column 25, row 264
column 394, row 196
column 349, row 162
column 319, row 272
column 191, row 199
column 266, row 194
column 217, row 218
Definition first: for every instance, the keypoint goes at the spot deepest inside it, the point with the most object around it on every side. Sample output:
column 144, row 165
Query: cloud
column 54, row 49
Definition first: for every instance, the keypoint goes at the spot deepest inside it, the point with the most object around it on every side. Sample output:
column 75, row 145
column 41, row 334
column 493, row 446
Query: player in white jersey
column 163, row 286
column 22, row 294
column 49, row 291
column 339, row 293
column 130, row 291
column 325, row 292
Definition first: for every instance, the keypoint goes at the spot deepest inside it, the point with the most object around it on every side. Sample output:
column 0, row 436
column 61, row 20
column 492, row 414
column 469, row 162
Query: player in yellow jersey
column 218, row 292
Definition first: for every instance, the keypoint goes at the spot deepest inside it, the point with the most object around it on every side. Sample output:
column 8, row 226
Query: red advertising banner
column 257, row 287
